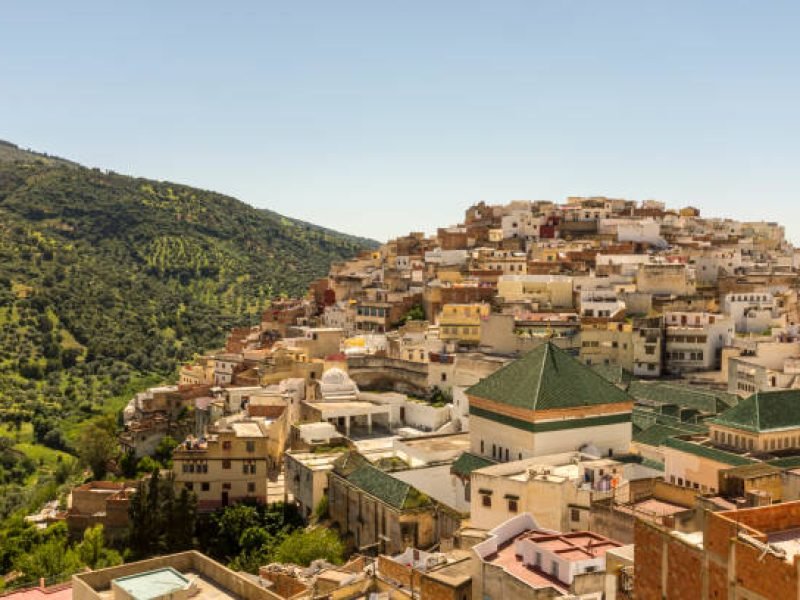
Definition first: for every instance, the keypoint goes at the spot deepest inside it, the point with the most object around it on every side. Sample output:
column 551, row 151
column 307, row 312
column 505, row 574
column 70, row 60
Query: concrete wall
column 87, row 586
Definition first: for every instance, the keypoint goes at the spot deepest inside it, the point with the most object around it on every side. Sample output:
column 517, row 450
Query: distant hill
column 105, row 278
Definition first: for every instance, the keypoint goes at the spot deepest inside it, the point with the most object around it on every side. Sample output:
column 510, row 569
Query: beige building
column 605, row 342
column 557, row 490
column 306, row 478
column 546, row 291
column 374, row 510
column 100, row 503
column 664, row 280
column 694, row 340
column 762, row 428
column 227, row 466
column 461, row 323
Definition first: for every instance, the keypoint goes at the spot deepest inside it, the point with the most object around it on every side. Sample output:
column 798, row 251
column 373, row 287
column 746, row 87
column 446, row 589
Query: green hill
column 108, row 282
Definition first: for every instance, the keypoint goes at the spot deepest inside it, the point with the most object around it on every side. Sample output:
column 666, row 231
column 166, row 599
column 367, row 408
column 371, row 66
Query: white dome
column 335, row 376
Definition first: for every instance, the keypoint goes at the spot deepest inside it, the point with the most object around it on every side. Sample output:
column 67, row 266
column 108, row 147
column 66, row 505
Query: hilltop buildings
column 500, row 409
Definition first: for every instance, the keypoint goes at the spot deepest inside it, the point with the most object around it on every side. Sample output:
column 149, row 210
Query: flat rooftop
column 247, row 430
column 506, row 558
column 453, row 575
column 788, row 541
column 652, row 507
column 456, row 443
column 349, row 405
column 316, row 461
column 560, row 466
column 153, row 587
column 577, row 546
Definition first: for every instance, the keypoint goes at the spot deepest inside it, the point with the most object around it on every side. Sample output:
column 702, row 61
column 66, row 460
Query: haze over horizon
column 377, row 120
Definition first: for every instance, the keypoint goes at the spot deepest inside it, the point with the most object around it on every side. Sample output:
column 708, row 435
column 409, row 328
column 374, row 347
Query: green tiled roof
column 763, row 411
column 727, row 458
column 363, row 475
column 545, row 378
column 709, row 401
column 467, row 463
column 656, row 434
column 786, row 462
column 349, row 462
column 645, row 416
column 615, row 374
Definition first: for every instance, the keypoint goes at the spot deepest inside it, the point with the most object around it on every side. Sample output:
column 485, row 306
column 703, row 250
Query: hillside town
column 594, row 399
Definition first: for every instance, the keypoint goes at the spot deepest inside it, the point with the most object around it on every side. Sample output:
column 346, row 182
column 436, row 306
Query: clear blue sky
column 381, row 117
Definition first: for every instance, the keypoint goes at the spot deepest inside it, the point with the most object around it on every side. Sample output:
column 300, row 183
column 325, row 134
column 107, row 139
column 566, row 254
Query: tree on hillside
column 48, row 555
column 98, row 444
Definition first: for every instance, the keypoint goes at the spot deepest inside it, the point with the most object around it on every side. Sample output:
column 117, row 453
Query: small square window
column 205, row 486
column 251, row 487
column 512, row 506
column 226, row 464
column 486, row 500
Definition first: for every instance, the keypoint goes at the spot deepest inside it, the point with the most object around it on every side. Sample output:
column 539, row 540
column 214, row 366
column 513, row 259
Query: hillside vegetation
column 108, row 282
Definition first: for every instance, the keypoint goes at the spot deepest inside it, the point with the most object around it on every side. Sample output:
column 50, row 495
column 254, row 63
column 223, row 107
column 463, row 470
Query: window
column 486, row 500
column 205, row 486
column 574, row 514
column 226, row 445
column 226, row 464
column 251, row 487
column 250, row 446
column 512, row 506
column 189, row 485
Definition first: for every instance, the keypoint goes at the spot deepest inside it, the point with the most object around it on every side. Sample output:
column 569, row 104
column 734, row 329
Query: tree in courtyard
column 93, row 552
column 302, row 547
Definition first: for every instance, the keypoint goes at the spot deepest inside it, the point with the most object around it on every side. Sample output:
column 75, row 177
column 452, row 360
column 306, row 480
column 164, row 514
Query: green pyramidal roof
column 764, row 411
column 548, row 378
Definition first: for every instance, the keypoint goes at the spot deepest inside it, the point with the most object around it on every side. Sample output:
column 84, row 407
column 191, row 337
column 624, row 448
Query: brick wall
column 684, row 570
column 770, row 576
column 648, row 563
